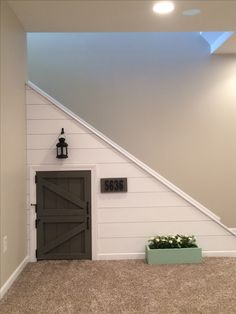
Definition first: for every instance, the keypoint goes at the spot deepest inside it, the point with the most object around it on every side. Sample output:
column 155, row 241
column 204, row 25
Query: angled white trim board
column 234, row 230
column 136, row 161
column 13, row 277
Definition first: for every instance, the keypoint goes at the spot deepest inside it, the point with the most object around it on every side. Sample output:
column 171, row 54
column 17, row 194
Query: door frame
column 32, row 232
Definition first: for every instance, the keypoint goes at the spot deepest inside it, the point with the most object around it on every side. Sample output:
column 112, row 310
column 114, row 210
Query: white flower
column 157, row 240
column 170, row 241
column 178, row 240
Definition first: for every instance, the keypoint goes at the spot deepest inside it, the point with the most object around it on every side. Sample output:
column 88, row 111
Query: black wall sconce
column 62, row 146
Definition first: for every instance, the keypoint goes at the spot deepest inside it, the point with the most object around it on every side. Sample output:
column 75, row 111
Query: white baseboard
column 122, row 256
column 119, row 256
column 13, row 276
column 219, row 253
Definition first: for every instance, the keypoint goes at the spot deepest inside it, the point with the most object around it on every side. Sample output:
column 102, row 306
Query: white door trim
column 32, row 200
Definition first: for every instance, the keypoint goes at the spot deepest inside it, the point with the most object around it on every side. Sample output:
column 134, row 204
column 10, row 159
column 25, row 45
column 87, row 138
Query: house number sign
column 113, row 185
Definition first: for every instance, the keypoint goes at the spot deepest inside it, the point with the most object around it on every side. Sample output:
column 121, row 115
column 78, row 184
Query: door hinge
column 36, row 253
column 35, row 207
column 36, row 223
column 35, row 179
column 88, row 223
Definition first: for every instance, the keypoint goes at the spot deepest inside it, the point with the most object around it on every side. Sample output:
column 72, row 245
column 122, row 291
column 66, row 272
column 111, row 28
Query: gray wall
column 12, row 142
column 159, row 95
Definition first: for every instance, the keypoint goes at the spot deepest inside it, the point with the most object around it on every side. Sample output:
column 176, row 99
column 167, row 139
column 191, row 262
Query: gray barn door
column 63, row 215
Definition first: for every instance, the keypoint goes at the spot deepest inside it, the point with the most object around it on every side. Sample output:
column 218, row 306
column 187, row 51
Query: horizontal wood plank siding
column 76, row 156
column 48, row 141
column 127, row 169
column 125, row 220
column 140, row 199
column 53, row 127
column 33, row 98
column 45, row 112
column 149, row 214
column 147, row 229
column 146, row 185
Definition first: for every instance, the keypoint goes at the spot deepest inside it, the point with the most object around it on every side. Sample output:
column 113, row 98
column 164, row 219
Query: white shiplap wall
column 121, row 222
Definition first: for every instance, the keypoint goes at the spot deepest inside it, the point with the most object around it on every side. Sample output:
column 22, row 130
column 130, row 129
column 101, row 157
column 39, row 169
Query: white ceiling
column 124, row 16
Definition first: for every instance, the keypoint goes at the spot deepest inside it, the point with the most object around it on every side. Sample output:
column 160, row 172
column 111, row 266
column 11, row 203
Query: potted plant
column 176, row 249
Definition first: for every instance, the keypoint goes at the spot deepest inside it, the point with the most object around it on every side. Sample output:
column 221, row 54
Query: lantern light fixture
column 62, row 146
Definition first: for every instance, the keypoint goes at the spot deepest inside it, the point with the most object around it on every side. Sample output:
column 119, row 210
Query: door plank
column 69, row 212
column 66, row 236
column 63, row 193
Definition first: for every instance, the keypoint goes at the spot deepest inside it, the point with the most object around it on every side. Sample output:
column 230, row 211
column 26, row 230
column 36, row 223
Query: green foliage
column 172, row 242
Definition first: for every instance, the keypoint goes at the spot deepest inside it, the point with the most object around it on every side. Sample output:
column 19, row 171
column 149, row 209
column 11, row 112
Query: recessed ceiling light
column 191, row 12
column 163, row 7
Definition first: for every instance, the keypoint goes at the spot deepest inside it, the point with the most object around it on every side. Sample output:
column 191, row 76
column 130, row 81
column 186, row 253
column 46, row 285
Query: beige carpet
column 124, row 287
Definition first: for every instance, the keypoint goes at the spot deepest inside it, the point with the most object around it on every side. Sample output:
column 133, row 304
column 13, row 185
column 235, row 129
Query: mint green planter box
column 173, row 256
